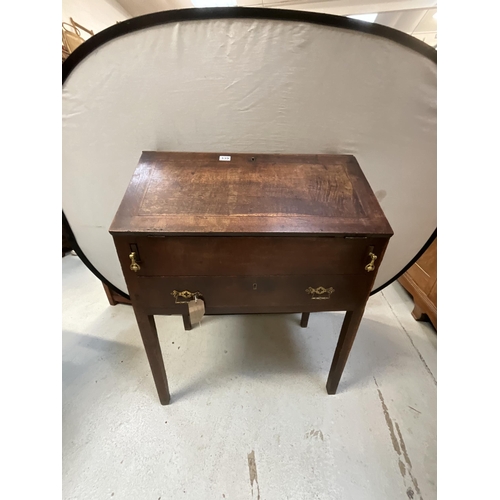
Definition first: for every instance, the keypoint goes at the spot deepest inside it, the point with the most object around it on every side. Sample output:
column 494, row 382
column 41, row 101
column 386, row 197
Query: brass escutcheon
column 319, row 291
column 185, row 294
column 134, row 266
column 371, row 266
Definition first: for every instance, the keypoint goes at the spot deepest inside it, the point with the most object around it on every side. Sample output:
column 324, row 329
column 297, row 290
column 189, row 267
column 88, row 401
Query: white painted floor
column 249, row 417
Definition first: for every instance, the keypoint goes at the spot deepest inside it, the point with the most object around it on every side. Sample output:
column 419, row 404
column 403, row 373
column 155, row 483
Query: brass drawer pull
column 134, row 266
column 371, row 266
column 186, row 294
column 319, row 291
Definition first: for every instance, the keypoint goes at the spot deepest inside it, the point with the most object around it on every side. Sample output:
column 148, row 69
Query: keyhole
column 254, row 286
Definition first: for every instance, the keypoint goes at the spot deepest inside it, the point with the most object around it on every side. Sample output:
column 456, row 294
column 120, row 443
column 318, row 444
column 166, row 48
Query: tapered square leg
column 187, row 322
column 151, row 343
column 346, row 338
column 304, row 320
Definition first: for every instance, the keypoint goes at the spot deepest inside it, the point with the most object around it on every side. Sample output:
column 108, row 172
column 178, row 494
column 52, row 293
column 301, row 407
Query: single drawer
column 249, row 256
column 243, row 294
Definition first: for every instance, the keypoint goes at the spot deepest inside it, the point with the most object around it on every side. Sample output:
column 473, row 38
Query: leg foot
column 151, row 343
column 304, row 320
column 418, row 314
column 346, row 339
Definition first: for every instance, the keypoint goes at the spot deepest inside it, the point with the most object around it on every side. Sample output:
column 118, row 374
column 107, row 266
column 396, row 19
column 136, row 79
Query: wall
column 93, row 14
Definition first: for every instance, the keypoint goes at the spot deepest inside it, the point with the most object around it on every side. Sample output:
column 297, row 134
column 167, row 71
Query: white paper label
column 224, row 158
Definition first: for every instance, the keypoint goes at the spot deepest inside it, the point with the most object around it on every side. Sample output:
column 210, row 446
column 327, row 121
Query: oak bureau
column 249, row 233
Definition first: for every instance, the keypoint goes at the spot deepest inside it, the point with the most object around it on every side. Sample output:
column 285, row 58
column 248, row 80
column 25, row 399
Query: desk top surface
column 236, row 194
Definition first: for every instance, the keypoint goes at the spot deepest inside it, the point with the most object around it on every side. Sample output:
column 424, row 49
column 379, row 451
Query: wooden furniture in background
column 72, row 37
column 421, row 283
column 249, row 234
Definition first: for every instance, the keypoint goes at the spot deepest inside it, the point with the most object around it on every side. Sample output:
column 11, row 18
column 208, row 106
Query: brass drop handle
column 134, row 266
column 319, row 293
column 371, row 266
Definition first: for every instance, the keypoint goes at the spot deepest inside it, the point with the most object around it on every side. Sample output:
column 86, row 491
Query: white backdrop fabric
column 250, row 86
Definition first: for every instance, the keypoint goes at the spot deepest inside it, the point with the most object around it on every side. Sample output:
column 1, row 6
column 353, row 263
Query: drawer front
column 250, row 256
column 240, row 294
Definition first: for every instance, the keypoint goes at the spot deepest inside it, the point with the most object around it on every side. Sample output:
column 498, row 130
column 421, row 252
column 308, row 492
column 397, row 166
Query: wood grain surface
column 197, row 193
